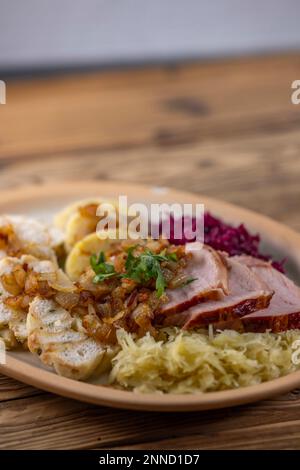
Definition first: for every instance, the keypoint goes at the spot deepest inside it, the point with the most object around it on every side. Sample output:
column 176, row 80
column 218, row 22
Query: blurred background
column 189, row 94
column 38, row 34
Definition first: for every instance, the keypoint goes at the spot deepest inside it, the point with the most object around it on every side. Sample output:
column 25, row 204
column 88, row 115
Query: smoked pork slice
column 209, row 270
column 283, row 312
column 247, row 293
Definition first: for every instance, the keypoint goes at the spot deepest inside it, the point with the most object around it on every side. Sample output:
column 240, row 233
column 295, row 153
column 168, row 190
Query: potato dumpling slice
column 61, row 218
column 78, row 227
column 79, row 258
column 79, row 220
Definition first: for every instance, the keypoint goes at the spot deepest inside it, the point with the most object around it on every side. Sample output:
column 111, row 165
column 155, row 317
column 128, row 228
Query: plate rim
column 115, row 398
column 108, row 396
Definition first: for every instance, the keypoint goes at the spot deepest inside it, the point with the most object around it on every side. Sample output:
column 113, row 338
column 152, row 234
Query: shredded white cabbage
column 191, row 362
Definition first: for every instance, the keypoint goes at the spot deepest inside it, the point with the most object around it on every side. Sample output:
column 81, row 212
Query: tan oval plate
column 44, row 201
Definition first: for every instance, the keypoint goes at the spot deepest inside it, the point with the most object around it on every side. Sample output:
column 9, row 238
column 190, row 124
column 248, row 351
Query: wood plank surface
column 226, row 129
column 57, row 423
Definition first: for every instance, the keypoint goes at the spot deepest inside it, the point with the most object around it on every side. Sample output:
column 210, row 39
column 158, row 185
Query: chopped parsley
column 146, row 267
column 140, row 268
column 188, row 281
column 102, row 269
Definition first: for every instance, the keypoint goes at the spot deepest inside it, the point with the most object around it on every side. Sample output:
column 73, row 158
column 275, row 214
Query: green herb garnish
column 188, row 281
column 102, row 269
column 141, row 268
column 167, row 256
column 146, row 267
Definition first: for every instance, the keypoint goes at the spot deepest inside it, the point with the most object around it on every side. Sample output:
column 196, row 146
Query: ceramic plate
column 42, row 202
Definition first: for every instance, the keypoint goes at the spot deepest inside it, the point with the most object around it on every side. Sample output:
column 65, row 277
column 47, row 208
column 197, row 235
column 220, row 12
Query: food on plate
column 62, row 343
column 80, row 219
column 159, row 315
column 8, row 337
column 209, row 280
column 247, row 293
column 189, row 362
column 283, row 312
column 22, row 235
column 21, row 279
column 78, row 259
column 225, row 237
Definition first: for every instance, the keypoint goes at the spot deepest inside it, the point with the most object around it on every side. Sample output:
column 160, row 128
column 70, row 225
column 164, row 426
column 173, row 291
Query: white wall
column 65, row 32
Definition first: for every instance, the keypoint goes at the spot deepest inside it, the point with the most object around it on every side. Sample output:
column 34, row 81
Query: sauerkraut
column 191, row 362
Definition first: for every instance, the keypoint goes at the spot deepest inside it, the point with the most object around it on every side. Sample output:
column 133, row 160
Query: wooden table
column 226, row 129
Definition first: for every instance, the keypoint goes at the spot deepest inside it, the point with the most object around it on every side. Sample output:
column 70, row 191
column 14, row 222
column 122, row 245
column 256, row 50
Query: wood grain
column 11, row 389
column 226, row 129
column 237, row 170
column 31, row 422
column 162, row 106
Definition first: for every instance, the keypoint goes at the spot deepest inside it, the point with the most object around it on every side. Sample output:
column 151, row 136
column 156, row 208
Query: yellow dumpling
column 79, row 257
column 79, row 220
column 61, row 218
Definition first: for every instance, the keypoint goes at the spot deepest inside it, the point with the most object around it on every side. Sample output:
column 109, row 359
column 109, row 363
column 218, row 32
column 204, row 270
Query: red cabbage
column 225, row 237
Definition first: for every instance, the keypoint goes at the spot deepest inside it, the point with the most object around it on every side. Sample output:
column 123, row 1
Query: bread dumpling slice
column 12, row 322
column 13, row 329
column 23, row 235
column 17, row 326
column 20, row 280
column 61, row 343
column 8, row 337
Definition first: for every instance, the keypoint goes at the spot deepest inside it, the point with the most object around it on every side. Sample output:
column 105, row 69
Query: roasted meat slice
column 208, row 269
column 283, row 312
column 247, row 293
